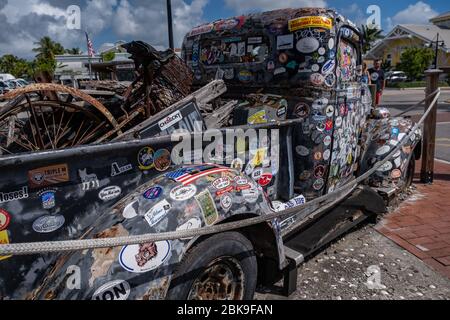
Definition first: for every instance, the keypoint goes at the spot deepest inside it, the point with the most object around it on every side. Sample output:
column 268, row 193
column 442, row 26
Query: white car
column 396, row 76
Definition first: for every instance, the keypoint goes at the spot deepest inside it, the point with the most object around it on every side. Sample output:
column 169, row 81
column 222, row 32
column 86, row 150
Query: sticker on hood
column 48, row 223
column 115, row 290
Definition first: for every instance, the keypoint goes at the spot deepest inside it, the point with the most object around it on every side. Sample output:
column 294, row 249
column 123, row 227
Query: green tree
column 73, row 51
column 45, row 54
column 414, row 61
column 108, row 56
column 16, row 66
column 370, row 36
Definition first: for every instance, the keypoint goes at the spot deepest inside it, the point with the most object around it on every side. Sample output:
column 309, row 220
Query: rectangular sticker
column 170, row 120
column 4, row 239
column 285, row 42
column 208, row 207
column 254, row 40
column 310, row 22
column 47, row 176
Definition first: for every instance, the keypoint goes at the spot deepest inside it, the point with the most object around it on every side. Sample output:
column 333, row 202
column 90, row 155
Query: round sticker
column 305, row 175
column 315, row 67
column 327, row 141
column 116, row 290
column 182, row 193
column 265, row 179
column 48, row 223
column 153, row 193
column 338, row 121
column 302, row 110
column 319, row 171
column 318, row 156
column 329, row 111
column 226, row 202
column 317, row 79
column 318, row 184
column 331, row 43
column 321, row 59
column 321, row 51
column 387, row 166
column 221, row 183
column 319, row 104
column 162, row 160
column 283, row 58
column 5, row 218
column 146, row 158
column 383, row 150
column 326, row 154
column 237, row 164
column 308, row 45
column 396, row 173
column 144, row 257
column 302, row 151
column 330, row 80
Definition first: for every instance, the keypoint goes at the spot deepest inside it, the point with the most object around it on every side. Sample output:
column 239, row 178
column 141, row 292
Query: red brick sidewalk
column 421, row 224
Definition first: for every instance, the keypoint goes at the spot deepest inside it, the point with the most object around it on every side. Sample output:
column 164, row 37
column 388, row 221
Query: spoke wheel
column 223, row 280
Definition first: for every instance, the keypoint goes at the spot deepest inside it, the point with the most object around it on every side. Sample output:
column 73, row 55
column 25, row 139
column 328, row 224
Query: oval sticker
column 48, row 223
column 109, row 193
column 5, row 218
column 308, row 45
column 144, row 257
column 182, row 193
column 115, row 290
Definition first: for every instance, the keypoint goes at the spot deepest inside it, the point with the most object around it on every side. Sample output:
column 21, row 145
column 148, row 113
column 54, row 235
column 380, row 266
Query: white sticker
column 226, row 202
column 385, row 167
column 315, row 67
column 383, row 150
column 170, row 120
column 331, row 43
column 326, row 155
column 157, row 213
column 130, row 212
column 193, row 223
column 48, row 223
column 182, row 193
column 308, row 45
column 115, row 290
column 321, row 51
column 285, row 42
column 109, row 193
column 302, row 151
column 327, row 141
column 221, row 183
column 257, row 174
column 144, row 257
column 250, row 195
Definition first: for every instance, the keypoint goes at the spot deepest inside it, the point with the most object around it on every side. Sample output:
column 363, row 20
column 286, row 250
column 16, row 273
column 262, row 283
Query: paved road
column 399, row 100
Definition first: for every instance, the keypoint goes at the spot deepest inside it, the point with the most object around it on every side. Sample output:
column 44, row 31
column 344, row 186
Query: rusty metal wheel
column 50, row 116
column 223, row 280
column 221, row 267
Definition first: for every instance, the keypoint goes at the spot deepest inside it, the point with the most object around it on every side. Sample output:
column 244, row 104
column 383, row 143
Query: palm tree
column 370, row 36
column 76, row 51
column 47, row 49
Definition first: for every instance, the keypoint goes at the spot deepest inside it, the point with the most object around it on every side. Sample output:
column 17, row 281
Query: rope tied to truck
column 305, row 212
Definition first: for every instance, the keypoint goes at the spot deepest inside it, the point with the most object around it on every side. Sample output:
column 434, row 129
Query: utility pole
column 436, row 50
column 170, row 24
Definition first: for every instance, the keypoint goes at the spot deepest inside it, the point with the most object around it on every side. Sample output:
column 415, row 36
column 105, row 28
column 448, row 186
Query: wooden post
column 429, row 130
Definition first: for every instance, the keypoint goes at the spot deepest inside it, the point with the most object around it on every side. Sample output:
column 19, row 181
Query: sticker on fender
column 4, row 239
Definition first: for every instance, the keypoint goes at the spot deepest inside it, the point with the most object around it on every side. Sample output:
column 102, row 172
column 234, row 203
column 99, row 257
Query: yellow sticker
column 259, row 157
column 4, row 239
column 257, row 118
column 310, row 22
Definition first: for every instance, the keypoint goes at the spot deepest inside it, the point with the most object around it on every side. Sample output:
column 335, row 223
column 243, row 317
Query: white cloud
column 419, row 13
column 240, row 6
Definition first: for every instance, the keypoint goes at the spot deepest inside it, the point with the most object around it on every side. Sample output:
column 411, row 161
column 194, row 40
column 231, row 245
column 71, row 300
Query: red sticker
column 265, row 179
column 4, row 219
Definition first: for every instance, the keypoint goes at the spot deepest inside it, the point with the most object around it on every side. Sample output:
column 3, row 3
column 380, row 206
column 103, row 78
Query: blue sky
column 25, row 21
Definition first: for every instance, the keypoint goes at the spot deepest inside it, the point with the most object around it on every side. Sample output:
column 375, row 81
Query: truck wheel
column 223, row 267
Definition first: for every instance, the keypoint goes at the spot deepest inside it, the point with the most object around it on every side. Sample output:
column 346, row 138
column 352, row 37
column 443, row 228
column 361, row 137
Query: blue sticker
column 153, row 193
column 48, row 200
column 178, row 173
column 395, row 132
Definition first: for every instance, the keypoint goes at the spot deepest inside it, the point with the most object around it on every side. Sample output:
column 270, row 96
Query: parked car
column 396, row 76
column 4, row 87
column 312, row 132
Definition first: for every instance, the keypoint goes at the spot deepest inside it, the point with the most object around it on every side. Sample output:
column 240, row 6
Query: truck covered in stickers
column 295, row 125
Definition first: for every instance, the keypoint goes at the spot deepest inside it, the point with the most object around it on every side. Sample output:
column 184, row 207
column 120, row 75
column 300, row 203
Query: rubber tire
column 232, row 244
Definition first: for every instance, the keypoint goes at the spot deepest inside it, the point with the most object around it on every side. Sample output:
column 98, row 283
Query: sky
column 23, row 22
